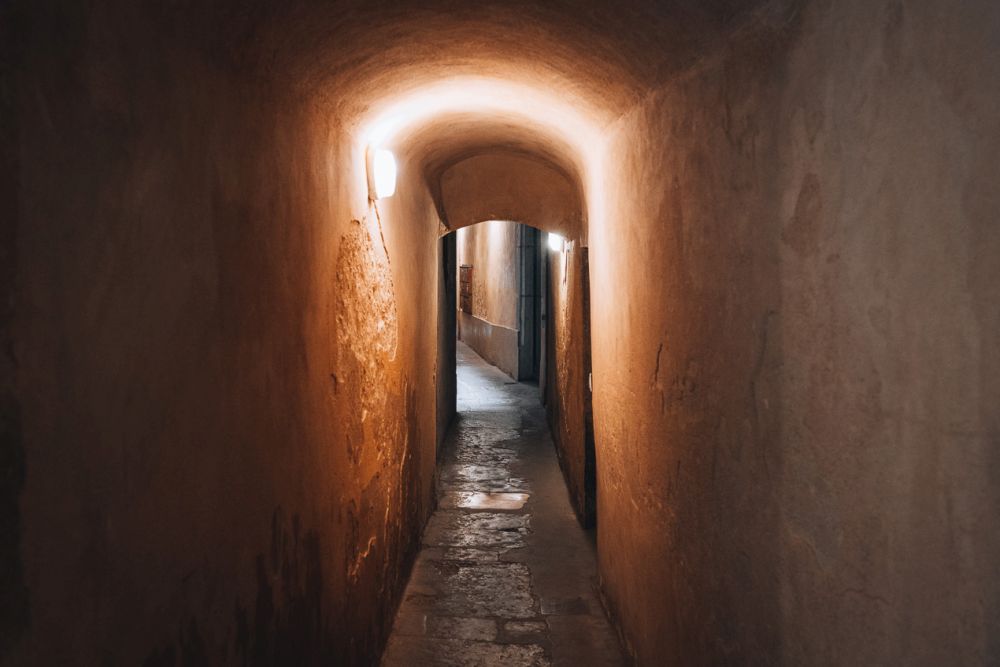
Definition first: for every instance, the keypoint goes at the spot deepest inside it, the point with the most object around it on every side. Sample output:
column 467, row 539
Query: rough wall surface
column 795, row 320
column 491, row 328
column 891, row 335
column 686, row 516
column 14, row 600
column 510, row 186
column 192, row 288
column 796, row 345
column 566, row 385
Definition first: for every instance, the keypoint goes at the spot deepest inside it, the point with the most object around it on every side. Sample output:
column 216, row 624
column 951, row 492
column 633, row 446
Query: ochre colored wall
column 491, row 329
column 796, row 359
column 503, row 186
column 218, row 382
column 228, row 458
column 566, row 387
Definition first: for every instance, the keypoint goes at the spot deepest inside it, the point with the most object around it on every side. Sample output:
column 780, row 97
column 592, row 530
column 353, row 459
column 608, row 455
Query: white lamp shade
column 382, row 174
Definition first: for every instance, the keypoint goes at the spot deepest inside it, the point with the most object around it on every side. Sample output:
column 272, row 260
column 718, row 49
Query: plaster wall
column 504, row 185
column 496, row 344
column 212, row 431
column 491, row 328
column 796, row 337
column 567, row 402
column 218, row 346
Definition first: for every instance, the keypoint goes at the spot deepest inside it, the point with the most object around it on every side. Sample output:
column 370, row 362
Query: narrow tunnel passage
column 506, row 575
column 223, row 394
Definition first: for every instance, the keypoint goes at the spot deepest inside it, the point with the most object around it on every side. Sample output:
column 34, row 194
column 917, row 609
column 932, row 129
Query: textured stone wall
column 796, row 346
column 505, row 185
column 793, row 257
column 890, row 336
column 218, row 348
column 567, row 394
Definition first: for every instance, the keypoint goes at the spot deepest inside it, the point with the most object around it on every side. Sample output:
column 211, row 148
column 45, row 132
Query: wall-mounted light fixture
column 556, row 242
column 381, row 173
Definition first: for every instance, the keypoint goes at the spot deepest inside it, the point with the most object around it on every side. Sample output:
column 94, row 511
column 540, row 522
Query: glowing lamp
column 556, row 242
column 381, row 173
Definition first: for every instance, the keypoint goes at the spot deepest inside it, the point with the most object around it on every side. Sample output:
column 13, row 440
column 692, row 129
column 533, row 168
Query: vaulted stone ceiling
column 359, row 52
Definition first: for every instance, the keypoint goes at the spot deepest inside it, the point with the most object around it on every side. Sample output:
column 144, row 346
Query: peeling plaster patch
column 367, row 331
column 367, row 297
column 376, row 411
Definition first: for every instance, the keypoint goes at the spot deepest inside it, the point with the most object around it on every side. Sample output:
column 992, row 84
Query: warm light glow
column 556, row 242
column 526, row 101
column 571, row 119
column 383, row 174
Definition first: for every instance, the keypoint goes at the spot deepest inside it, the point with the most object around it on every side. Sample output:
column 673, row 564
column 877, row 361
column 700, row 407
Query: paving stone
column 487, row 589
column 583, row 640
column 446, row 627
column 525, row 632
column 471, row 555
column 480, row 529
column 478, row 500
column 524, row 627
column 406, row 651
column 565, row 606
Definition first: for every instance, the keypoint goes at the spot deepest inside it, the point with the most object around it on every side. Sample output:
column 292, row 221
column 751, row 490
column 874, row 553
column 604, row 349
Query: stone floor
column 506, row 575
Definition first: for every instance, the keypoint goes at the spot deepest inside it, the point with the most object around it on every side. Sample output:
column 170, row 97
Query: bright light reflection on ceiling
column 568, row 118
column 550, row 110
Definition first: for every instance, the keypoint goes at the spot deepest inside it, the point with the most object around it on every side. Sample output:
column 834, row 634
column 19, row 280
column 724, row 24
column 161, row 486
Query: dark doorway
column 590, row 455
column 529, row 303
column 447, row 296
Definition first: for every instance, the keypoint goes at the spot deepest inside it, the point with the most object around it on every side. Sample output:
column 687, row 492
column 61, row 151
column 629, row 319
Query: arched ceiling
column 359, row 52
column 511, row 186
column 443, row 80
column 434, row 146
column 456, row 120
column 437, row 144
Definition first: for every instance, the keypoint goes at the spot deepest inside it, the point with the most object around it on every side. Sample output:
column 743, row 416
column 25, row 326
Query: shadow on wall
column 14, row 612
column 568, row 397
column 285, row 624
column 309, row 607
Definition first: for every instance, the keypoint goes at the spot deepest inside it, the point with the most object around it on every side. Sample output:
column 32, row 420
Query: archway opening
column 521, row 303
